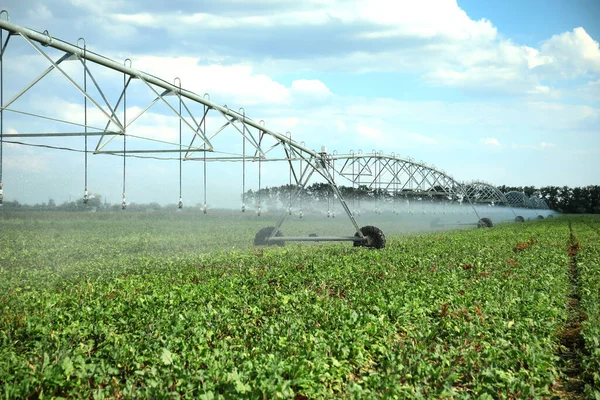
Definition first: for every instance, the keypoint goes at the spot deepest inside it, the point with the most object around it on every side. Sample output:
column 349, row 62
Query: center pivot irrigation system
column 204, row 132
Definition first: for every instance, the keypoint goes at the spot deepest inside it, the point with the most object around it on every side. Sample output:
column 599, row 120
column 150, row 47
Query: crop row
column 453, row 314
column 587, row 253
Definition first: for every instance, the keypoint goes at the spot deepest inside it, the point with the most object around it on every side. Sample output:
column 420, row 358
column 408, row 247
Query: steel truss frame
column 537, row 202
column 399, row 177
column 196, row 142
column 518, row 199
column 521, row 200
column 258, row 142
column 485, row 193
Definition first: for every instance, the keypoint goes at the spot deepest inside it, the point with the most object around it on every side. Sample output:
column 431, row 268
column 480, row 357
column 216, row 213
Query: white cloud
column 591, row 91
column 98, row 7
column 237, row 83
column 40, row 11
column 572, row 53
column 311, row 87
column 433, row 37
column 407, row 19
column 509, row 67
column 56, row 107
column 490, row 141
column 541, row 146
column 539, row 89
column 141, row 19
column 420, row 139
column 425, row 19
column 341, row 125
column 286, row 18
column 369, row 132
column 283, row 124
column 518, row 146
column 25, row 159
column 534, row 58
column 11, row 131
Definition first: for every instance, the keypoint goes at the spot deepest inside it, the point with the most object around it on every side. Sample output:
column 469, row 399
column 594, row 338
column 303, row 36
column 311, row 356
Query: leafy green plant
column 90, row 311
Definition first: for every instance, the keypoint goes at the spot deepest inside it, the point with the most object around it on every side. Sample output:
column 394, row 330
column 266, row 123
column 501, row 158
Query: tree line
column 578, row 200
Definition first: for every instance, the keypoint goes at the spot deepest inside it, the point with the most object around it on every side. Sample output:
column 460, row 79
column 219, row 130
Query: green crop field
column 126, row 306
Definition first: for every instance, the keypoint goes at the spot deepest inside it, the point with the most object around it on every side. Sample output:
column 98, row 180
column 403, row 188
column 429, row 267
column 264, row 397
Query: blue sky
column 502, row 91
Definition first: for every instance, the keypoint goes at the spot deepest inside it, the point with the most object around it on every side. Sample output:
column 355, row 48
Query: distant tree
column 94, row 201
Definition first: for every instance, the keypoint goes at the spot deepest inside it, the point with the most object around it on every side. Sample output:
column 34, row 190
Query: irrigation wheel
column 485, row 223
column 519, row 218
column 374, row 237
column 261, row 237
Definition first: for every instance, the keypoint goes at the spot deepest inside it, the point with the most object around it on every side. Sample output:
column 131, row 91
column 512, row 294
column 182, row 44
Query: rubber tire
column 540, row 217
column 550, row 216
column 261, row 237
column 485, row 223
column 519, row 218
column 374, row 235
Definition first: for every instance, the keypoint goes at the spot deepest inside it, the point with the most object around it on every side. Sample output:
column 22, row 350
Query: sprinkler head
column 180, row 203
column 85, row 197
column 204, row 210
column 244, row 207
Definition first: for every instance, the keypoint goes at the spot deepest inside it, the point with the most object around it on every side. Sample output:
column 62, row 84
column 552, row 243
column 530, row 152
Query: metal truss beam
column 389, row 173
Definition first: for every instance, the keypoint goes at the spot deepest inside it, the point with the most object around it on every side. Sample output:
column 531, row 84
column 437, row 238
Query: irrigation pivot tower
column 207, row 132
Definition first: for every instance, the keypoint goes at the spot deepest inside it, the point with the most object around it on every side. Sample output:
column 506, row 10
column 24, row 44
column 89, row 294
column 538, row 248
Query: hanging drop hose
column 379, row 189
column 260, row 136
column 85, row 184
column 244, row 174
column 243, row 160
column 353, row 192
column 1, row 113
column 333, row 178
column 329, row 195
column 124, row 203
column 395, row 185
column 375, row 184
column 204, row 179
column 290, row 165
column 180, row 203
column 301, row 213
column 359, row 194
